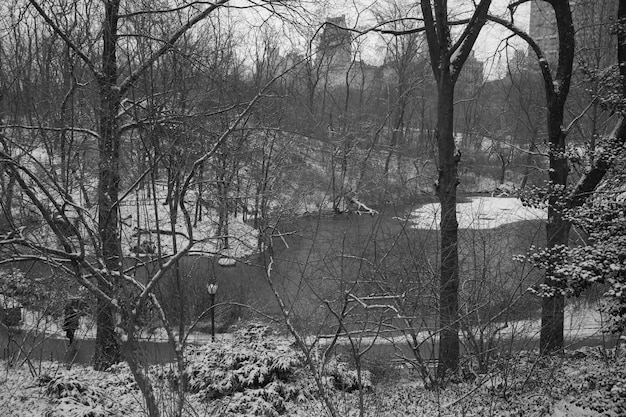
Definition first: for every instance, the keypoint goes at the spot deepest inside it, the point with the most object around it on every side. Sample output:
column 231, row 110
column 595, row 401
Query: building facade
column 593, row 20
column 334, row 50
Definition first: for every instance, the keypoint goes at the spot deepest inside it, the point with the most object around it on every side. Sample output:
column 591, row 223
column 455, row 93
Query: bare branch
column 580, row 116
column 543, row 62
column 160, row 11
column 466, row 41
column 65, row 38
column 57, row 129
column 590, row 180
column 127, row 83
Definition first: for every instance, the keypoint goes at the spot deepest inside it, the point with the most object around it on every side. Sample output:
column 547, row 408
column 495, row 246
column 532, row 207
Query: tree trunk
column 557, row 229
column 552, row 316
column 107, row 347
column 446, row 62
column 143, row 380
column 397, row 132
column 557, row 233
column 446, row 192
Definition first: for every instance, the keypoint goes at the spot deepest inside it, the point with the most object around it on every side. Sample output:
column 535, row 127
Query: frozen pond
column 478, row 213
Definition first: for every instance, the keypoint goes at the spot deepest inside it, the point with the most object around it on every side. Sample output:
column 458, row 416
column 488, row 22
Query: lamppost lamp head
column 211, row 288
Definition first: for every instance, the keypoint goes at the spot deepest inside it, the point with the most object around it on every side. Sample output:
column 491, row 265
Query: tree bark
column 446, row 192
column 107, row 346
column 447, row 61
column 557, row 228
column 143, row 380
column 552, row 316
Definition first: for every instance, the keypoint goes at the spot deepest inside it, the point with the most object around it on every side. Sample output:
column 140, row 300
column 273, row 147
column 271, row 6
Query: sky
column 361, row 14
column 489, row 46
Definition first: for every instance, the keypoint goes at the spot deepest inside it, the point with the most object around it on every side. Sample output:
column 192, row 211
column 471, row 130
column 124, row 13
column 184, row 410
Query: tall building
column 336, row 61
column 592, row 23
column 335, row 47
column 471, row 77
column 543, row 30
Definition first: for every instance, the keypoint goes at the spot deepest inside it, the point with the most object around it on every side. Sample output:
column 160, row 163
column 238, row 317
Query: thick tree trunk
column 446, row 191
column 107, row 347
column 557, row 229
column 557, row 233
column 446, row 62
column 552, row 316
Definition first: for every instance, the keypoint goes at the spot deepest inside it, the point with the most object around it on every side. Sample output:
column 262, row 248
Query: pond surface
column 323, row 264
column 348, row 273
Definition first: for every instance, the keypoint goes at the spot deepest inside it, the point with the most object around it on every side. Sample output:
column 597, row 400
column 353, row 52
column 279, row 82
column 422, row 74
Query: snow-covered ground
column 145, row 223
column 582, row 383
column 582, row 323
column 478, row 213
column 138, row 212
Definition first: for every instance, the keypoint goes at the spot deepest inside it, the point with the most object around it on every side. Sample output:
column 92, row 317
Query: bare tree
column 111, row 91
column 556, row 86
column 91, row 249
column 447, row 59
column 557, row 82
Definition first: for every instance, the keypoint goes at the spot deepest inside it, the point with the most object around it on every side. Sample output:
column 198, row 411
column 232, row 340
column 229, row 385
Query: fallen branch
column 357, row 207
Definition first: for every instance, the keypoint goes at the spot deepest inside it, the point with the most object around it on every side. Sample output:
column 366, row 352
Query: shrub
column 73, row 398
column 254, row 359
column 345, row 379
column 259, row 372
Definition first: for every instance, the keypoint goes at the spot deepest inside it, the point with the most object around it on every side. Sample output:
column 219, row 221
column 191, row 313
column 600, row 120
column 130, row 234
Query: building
column 542, row 28
column 471, row 76
column 334, row 50
column 592, row 21
column 337, row 62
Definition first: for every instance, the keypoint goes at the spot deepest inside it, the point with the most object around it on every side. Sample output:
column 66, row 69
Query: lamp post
column 212, row 289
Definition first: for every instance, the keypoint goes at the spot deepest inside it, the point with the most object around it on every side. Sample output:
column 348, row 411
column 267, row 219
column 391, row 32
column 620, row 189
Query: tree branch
column 126, row 84
column 158, row 11
column 431, row 37
column 65, row 38
column 467, row 39
column 57, row 129
column 543, row 62
column 590, row 180
column 580, row 116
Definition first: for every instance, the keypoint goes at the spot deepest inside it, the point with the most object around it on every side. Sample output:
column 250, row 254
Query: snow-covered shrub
column 253, row 360
column 71, row 407
column 85, row 392
column 343, row 378
column 46, row 294
column 258, row 373
column 601, row 260
column 607, row 387
column 257, row 370
column 267, row 402
column 23, row 290
column 73, row 398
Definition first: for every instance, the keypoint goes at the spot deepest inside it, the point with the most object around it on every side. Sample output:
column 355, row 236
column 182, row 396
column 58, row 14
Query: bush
column 253, row 360
column 73, row 398
column 345, row 379
column 259, row 372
